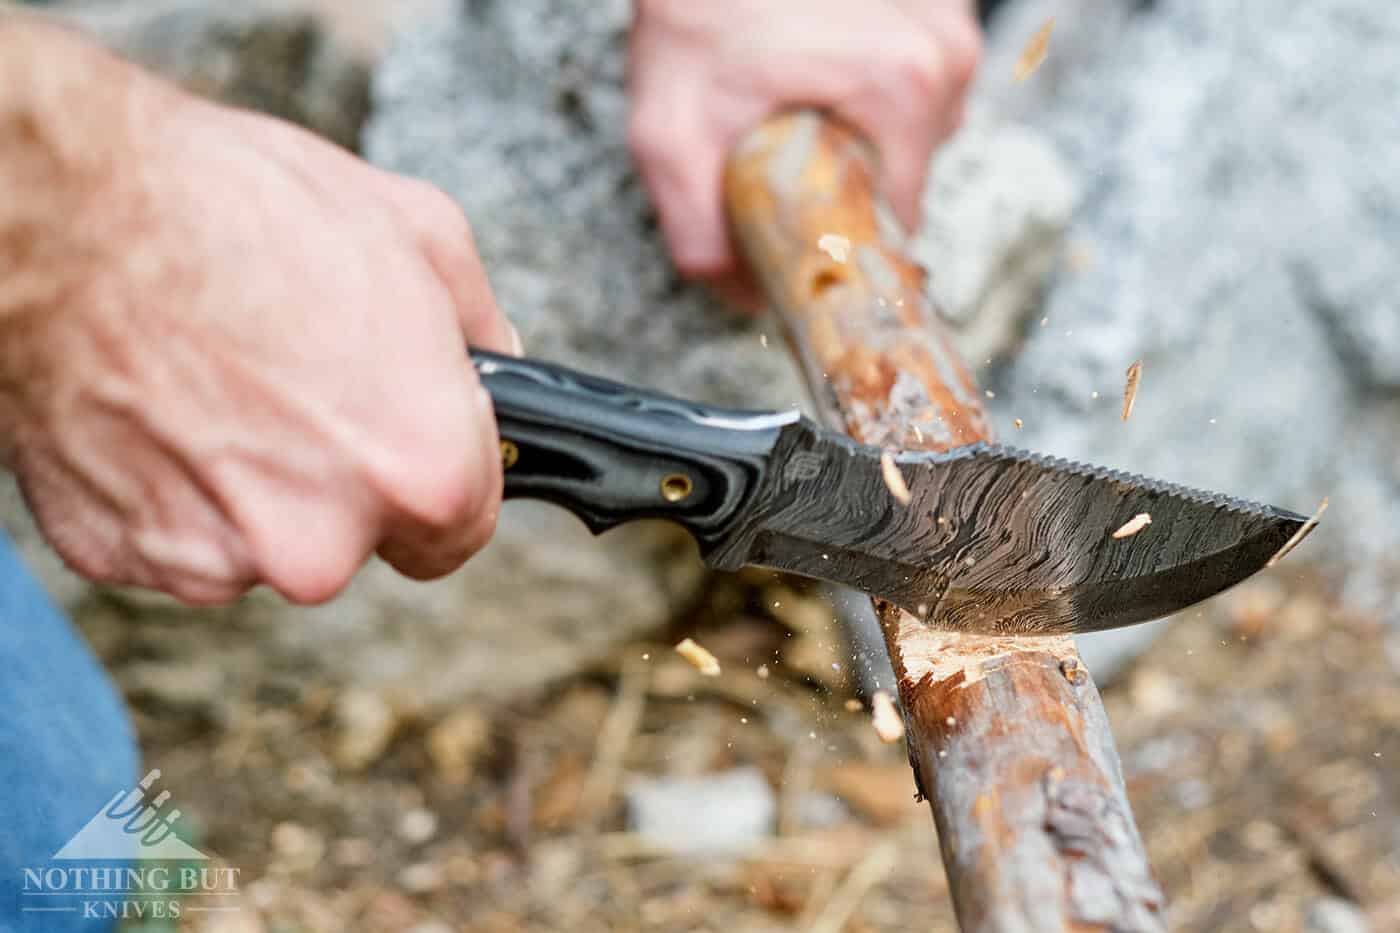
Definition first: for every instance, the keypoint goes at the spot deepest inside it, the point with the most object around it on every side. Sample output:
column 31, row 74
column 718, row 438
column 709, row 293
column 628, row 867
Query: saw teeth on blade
column 1199, row 496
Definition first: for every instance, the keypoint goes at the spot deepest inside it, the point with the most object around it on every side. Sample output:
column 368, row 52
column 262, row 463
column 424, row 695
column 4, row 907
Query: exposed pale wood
column 1008, row 738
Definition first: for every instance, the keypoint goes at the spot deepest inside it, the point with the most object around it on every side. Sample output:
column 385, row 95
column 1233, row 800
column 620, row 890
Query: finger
column 445, row 498
column 450, row 249
column 909, row 106
column 308, row 548
column 740, row 290
column 206, row 594
column 904, row 169
column 683, row 168
column 458, row 267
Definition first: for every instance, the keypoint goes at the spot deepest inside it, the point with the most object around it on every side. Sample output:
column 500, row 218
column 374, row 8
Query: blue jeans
column 66, row 748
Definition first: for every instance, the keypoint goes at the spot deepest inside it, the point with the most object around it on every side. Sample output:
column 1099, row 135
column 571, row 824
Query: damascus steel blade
column 996, row 540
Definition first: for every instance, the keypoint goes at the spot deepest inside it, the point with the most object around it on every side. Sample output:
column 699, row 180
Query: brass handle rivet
column 676, row 487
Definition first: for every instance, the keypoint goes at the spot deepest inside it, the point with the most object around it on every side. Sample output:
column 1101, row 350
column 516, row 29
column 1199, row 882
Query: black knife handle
column 611, row 453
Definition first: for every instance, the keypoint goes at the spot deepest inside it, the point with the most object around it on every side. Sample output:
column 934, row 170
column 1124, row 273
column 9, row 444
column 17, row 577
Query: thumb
column 447, row 242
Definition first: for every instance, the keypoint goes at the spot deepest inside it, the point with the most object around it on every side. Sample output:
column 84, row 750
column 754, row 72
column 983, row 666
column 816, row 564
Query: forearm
column 65, row 126
column 71, row 120
column 71, row 125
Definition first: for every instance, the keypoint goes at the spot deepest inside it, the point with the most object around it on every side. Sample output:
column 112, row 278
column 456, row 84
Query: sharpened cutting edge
column 997, row 540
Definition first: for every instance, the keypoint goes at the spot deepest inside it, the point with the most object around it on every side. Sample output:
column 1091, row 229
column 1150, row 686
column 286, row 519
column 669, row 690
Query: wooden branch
column 1007, row 737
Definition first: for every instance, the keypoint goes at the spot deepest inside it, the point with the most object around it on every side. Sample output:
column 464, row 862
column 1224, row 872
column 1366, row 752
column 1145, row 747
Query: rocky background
column 1204, row 187
column 1197, row 187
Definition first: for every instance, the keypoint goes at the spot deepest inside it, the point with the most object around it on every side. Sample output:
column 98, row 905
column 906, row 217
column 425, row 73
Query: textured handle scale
column 612, row 453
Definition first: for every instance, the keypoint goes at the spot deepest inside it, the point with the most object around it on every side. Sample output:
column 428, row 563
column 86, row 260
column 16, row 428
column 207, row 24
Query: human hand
column 233, row 354
column 703, row 74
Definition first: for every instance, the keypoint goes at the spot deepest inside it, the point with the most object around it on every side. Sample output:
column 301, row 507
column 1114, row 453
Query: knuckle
column 963, row 48
column 92, row 567
column 205, row 594
column 99, row 565
column 645, row 143
column 699, row 262
column 919, row 64
column 481, row 318
column 307, row 572
column 481, row 533
column 449, row 496
column 439, row 214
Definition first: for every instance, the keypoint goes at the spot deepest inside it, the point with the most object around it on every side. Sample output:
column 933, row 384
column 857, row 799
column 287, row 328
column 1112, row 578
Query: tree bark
column 1007, row 737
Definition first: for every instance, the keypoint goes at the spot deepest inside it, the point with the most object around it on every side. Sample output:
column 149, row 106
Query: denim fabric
column 66, row 746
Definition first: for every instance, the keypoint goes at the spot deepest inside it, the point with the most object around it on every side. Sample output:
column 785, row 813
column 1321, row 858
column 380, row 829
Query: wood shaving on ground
column 1298, row 535
column 1133, row 525
column 703, row 661
column 885, row 718
column 1034, row 52
column 1130, row 390
column 835, row 246
column 894, row 479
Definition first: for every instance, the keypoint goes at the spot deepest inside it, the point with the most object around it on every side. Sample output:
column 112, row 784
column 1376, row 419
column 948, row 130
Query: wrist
column 71, row 154
column 71, row 125
column 68, row 108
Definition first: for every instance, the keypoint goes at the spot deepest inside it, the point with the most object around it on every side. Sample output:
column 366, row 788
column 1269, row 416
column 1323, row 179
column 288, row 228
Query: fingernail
column 517, row 346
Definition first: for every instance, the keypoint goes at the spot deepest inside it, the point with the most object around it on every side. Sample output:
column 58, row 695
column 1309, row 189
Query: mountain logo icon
column 131, row 827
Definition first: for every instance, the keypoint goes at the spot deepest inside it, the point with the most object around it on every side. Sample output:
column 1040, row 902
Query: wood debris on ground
column 894, row 479
column 703, row 661
column 1130, row 390
column 1034, row 52
column 889, row 725
column 1298, row 535
column 1225, row 758
column 1017, row 423
column 1133, row 525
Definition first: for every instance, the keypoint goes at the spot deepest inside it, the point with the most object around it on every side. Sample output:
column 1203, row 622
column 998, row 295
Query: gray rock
column 517, row 111
column 1239, row 232
column 270, row 57
column 726, row 813
column 1335, row 915
column 998, row 203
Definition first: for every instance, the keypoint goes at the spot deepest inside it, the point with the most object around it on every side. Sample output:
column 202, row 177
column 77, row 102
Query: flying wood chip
column 1298, row 535
column 1034, row 52
column 703, row 661
column 885, row 718
column 1133, row 525
column 1130, row 390
column 894, row 479
column 835, row 246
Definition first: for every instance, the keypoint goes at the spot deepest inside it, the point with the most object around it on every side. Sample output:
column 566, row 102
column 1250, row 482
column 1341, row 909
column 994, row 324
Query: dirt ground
column 1258, row 738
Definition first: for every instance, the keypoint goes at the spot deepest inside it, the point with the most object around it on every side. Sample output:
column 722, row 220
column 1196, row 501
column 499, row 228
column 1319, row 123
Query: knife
column 992, row 540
